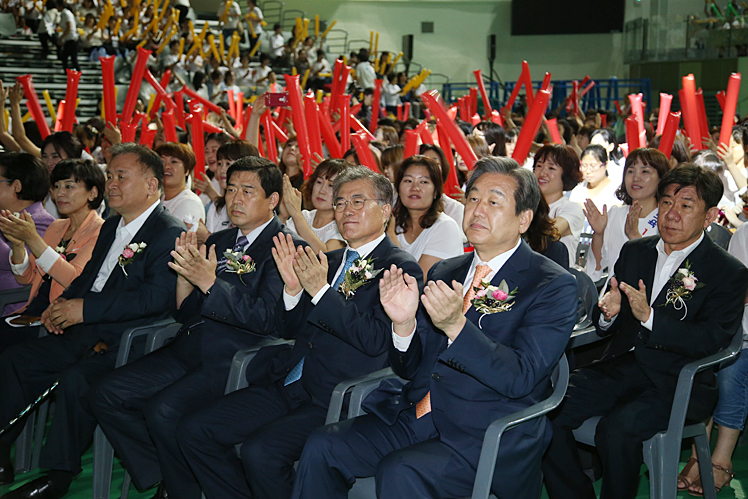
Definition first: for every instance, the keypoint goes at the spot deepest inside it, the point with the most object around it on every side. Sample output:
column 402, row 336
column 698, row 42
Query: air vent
column 427, row 27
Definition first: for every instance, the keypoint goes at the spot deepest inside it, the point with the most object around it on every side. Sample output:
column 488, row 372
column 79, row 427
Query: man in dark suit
column 467, row 365
column 340, row 333
column 675, row 298
column 223, row 309
column 126, row 283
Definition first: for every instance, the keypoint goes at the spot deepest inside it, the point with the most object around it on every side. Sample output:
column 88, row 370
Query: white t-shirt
column 183, row 204
column 276, row 45
column 68, row 19
column 739, row 249
column 365, row 75
column 322, row 66
column 217, row 219
column 615, row 237
column 441, row 240
column 391, row 94
column 456, row 211
column 324, row 233
column 232, row 21
column 573, row 214
column 605, row 197
column 257, row 24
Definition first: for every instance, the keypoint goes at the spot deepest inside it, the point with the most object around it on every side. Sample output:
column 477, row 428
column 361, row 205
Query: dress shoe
column 41, row 488
column 160, row 492
column 6, row 474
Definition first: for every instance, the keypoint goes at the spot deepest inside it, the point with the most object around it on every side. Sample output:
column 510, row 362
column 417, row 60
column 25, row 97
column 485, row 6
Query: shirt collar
column 679, row 253
column 133, row 227
column 363, row 251
column 498, row 261
column 253, row 233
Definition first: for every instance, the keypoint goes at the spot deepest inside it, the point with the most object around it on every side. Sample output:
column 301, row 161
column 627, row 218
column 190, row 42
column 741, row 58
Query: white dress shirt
column 124, row 236
column 666, row 266
column 363, row 251
column 496, row 263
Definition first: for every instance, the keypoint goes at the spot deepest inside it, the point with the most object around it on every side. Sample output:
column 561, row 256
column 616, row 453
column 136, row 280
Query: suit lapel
column 647, row 268
column 101, row 249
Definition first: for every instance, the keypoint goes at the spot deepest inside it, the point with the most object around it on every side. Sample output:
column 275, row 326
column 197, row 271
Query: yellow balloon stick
column 376, row 45
column 306, row 28
column 320, row 95
column 26, row 117
column 221, row 46
column 151, row 101
column 397, row 59
column 251, row 29
column 166, row 41
column 316, row 26
column 328, row 29
column 118, row 25
column 181, row 48
column 50, row 106
column 6, row 118
column 224, row 17
column 303, row 81
column 213, row 48
column 293, row 71
column 256, row 47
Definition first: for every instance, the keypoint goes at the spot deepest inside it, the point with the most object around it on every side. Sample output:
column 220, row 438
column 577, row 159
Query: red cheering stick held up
column 552, row 125
column 400, row 112
column 71, row 96
column 328, row 134
column 728, row 115
column 632, row 133
column 335, row 84
column 451, row 184
column 198, row 138
column 406, row 111
column 473, row 101
column 637, row 110
column 345, row 124
column 160, row 94
column 690, row 111
column 527, row 82
column 546, row 82
column 483, row 94
column 585, row 90
column 60, row 114
column 128, row 131
column 532, row 125
column 110, row 100
column 411, row 143
column 299, row 122
column 272, row 149
column 232, row 103
column 135, row 82
column 32, row 102
column 311, row 113
column 423, row 132
column 375, row 105
column 170, row 126
column 360, row 128
column 665, row 101
column 450, row 127
column 147, row 136
column 202, row 100
column 364, row 154
column 703, row 122
column 720, row 99
column 668, row 134
column 179, row 100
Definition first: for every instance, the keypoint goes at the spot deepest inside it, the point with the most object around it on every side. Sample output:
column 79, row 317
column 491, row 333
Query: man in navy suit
column 126, row 283
column 222, row 309
column 658, row 319
column 467, row 365
column 339, row 334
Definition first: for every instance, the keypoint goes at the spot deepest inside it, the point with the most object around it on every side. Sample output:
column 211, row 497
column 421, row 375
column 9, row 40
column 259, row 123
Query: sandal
column 730, row 475
column 683, row 475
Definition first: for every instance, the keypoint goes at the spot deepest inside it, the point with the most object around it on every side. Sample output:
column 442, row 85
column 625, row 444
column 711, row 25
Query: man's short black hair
column 146, row 157
column 271, row 178
column 30, row 171
column 707, row 183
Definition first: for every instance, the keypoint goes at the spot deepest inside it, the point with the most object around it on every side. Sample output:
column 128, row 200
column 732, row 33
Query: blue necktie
column 351, row 256
column 239, row 246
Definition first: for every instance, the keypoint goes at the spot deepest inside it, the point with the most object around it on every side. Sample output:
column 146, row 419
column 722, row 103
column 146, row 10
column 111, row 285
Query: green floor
column 81, row 488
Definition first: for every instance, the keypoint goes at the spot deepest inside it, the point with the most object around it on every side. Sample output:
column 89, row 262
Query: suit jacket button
column 310, row 345
column 640, row 335
column 435, row 375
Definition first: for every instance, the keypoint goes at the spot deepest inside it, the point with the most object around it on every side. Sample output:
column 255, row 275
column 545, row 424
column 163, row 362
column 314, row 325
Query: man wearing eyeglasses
column 331, row 307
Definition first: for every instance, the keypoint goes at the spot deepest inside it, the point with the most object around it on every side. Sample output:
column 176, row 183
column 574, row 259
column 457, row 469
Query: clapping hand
column 284, row 254
column 311, row 271
column 21, row 228
column 444, row 306
column 398, row 293
column 198, row 266
column 291, row 197
column 637, row 300
column 631, row 228
column 610, row 304
column 598, row 221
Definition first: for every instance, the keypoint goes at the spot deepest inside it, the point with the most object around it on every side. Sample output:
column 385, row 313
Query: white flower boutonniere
column 128, row 255
column 239, row 263
column 682, row 284
column 361, row 272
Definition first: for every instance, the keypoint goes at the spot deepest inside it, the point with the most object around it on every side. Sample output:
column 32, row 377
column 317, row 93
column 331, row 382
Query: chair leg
column 662, row 461
column 705, row 466
column 102, row 466
column 40, row 427
column 126, row 485
column 24, row 444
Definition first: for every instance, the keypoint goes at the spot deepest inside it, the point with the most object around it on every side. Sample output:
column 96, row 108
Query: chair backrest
column 15, row 295
column 586, row 298
column 719, row 234
column 583, row 249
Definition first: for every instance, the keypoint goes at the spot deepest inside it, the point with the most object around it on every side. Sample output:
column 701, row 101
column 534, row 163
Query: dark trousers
column 272, row 423
column 633, row 410
column 10, row 335
column 408, row 461
column 27, row 369
column 70, row 51
column 140, row 405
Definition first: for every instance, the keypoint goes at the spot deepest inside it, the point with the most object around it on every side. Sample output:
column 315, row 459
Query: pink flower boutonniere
column 239, row 263
column 682, row 284
column 492, row 300
column 128, row 255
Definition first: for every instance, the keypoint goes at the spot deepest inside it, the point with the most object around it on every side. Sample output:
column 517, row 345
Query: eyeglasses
column 591, row 168
column 356, row 203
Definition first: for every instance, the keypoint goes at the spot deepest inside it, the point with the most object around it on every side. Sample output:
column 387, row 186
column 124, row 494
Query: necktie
column 239, row 246
column 424, row 406
column 351, row 256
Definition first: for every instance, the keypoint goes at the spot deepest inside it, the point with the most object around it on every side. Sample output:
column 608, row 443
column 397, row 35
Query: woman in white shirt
column 606, row 137
column 179, row 161
column 452, row 207
column 557, row 169
column 636, row 218
column 597, row 185
column 317, row 226
column 421, row 228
